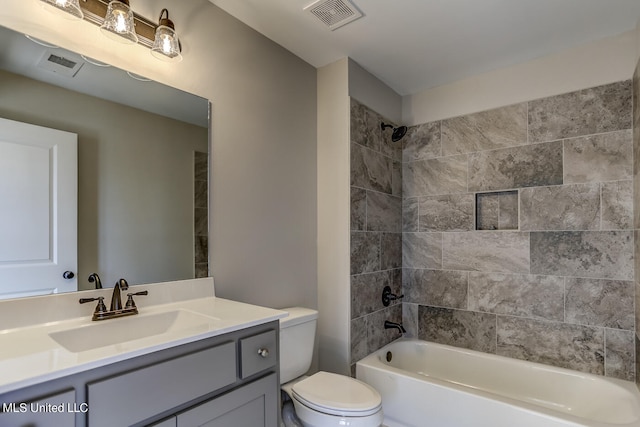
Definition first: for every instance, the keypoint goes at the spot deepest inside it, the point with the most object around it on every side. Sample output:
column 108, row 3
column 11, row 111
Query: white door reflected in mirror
column 38, row 210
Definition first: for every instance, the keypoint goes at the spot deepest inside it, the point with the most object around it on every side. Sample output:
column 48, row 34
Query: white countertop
column 29, row 355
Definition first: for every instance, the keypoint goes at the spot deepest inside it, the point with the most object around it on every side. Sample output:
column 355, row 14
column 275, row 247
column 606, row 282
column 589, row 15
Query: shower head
column 398, row 132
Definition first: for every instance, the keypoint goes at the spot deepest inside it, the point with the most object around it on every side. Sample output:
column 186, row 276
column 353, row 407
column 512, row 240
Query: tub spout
column 391, row 325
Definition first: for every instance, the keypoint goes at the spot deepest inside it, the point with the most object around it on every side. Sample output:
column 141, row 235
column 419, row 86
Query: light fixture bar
column 95, row 10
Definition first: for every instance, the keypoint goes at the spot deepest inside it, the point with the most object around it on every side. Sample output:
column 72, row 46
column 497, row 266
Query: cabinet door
column 152, row 390
column 255, row 405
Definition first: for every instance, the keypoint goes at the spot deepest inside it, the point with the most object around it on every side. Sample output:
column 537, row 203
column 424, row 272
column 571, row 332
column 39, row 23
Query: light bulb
column 121, row 23
column 70, row 7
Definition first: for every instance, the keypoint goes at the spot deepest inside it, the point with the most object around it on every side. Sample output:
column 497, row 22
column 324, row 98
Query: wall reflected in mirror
column 142, row 160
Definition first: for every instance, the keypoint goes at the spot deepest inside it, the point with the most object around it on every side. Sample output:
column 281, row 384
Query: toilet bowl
column 323, row 399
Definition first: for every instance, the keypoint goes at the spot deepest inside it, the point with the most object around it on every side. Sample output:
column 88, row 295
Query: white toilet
column 323, row 399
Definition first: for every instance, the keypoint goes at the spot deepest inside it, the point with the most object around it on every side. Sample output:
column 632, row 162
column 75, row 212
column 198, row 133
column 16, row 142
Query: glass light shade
column 71, row 7
column 118, row 23
column 166, row 45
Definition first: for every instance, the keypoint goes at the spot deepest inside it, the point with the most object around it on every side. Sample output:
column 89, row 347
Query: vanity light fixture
column 118, row 22
column 166, row 45
column 71, row 7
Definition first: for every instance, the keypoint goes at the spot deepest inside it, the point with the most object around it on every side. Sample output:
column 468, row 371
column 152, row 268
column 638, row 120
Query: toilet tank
column 297, row 338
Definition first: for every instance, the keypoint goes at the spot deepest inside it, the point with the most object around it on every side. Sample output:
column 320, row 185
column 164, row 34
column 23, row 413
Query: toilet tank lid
column 296, row 316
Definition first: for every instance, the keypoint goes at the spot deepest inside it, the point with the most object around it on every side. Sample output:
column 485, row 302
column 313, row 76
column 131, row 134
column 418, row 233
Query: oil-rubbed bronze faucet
column 394, row 325
column 116, row 301
column 115, row 310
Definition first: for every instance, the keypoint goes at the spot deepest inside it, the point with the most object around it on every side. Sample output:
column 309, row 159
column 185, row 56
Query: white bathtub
column 427, row 384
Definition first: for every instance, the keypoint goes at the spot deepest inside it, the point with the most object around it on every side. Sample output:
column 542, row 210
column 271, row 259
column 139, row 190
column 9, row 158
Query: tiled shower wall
column 550, row 278
column 376, row 231
column 201, row 213
column 636, row 205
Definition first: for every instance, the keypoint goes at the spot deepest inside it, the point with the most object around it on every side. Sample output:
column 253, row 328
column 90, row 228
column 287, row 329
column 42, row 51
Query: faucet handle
column 387, row 296
column 100, row 308
column 130, row 302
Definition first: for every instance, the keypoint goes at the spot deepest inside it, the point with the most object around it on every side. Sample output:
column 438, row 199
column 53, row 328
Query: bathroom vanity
column 196, row 361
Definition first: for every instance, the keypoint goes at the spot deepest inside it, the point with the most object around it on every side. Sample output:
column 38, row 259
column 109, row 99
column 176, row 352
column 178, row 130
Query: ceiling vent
column 64, row 66
column 334, row 13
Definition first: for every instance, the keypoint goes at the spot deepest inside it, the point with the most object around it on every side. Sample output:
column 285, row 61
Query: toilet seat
column 339, row 395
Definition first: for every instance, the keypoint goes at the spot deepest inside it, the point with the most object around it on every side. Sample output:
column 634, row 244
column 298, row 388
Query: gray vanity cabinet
column 246, row 406
column 202, row 383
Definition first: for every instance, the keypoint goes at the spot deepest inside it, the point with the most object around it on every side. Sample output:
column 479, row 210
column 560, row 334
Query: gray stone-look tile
column 201, row 198
column 596, row 110
column 497, row 211
column 422, row 250
column 487, row 130
column 370, row 170
column 466, row 329
column 377, row 335
column 637, row 354
column 422, row 142
column 597, row 302
column 566, row 207
column 365, row 252
column 440, row 288
column 617, row 205
column 202, row 270
column 445, row 175
column 636, row 96
column 620, row 354
column 388, row 146
column 598, row 254
column 410, row 319
column 358, row 127
column 396, row 179
column 201, row 249
column 596, row 158
column 201, row 166
column 365, row 126
column 447, row 213
column 636, row 178
column 487, row 211
column 358, row 209
column 552, row 343
column 391, row 251
column 508, row 168
column 366, row 290
column 359, row 347
column 410, row 214
column 636, row 261
column 384, row 212
column 502, row 252
column 508, row 211
column 201, row 219
column 532, row 296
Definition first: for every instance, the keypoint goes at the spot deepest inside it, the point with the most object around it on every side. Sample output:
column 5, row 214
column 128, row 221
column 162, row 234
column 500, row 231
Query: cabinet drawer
column 135, row 396
column 257, row 353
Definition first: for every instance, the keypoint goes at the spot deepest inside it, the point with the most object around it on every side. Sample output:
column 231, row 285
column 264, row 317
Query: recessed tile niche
column 497, row 210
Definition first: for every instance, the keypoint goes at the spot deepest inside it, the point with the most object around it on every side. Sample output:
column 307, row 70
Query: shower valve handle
column 387, row 296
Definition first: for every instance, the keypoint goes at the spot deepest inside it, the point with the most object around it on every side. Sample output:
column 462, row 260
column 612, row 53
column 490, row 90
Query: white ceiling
column 412, row 45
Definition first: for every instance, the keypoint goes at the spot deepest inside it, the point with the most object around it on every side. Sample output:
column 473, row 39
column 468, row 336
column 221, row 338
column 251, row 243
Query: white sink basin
column 130, row 328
